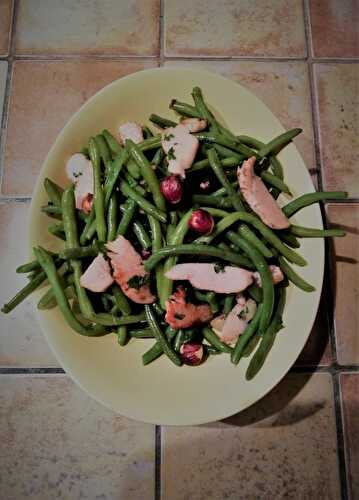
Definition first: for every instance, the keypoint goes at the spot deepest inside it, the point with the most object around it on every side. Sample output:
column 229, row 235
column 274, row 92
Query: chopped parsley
column 168, row 137
column 77, row 174
column 179, row 316
column 219, row 267
column 137, row 281
column 171, row 154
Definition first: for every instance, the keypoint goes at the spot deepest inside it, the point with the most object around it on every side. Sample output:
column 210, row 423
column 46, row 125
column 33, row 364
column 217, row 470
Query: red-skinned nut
column 201, row 221
column 171, row 188
column 192, row 353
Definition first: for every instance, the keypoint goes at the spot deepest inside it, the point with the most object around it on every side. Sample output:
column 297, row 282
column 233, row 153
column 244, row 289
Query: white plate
column 162, row 393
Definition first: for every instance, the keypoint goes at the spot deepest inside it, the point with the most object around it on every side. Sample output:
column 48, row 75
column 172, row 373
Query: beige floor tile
column 337, row 87
column 5, row 23
column 346, row 282
column 88, row 26
column 232, row 28
column 334, row 28
column 268, row 80
column 44, row 95
column 349, row 384
column 61, row 444
column 22, row 343
column 283, row 447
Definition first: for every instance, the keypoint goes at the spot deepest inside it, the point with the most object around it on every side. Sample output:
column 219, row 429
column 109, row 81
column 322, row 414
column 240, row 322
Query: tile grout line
column 328, row 261
column 158, row 461
column 162, row 34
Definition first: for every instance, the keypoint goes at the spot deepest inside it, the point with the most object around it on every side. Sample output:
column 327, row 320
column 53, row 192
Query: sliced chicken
column 259, row 198
column 231, row 327
column 129, row 271
column 79, row 170
column 194, row 124
column 214, row 277
column 182, row 314
column 277, row 275
column 97, row 276
column 130, row 130
column 180, row 147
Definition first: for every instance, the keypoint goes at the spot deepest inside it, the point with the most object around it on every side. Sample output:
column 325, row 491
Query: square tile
column 5, row 26
column 282, row 447
column 317, row 351
column 3, row 75
column 62, row 444
column 22, row 343
column 88, row 27
column 230, row 28
column 345, row 281
column 58, row 88
column 349, row 384
column 268, row 80
column 337, row 87
column 334, row 28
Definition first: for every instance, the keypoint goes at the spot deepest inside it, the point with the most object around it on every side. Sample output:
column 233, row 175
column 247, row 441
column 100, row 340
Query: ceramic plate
column 162, row 393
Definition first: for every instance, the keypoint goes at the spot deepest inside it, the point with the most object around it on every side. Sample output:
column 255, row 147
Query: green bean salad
column 172, row 232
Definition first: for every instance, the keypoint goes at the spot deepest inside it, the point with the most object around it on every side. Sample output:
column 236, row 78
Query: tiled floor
column 301, row 441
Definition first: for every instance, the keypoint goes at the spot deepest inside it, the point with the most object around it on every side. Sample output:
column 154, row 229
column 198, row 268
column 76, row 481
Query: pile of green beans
column 128, row 201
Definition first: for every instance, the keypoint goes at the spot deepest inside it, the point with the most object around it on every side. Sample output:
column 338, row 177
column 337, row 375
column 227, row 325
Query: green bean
column 134, row 184
column 215, row 341
column 308, row 199
column 148, row 174
column 250, row 141
column 184, row 109
column 250, row 236
column 179, row 339
column 201, row 296
column 152, row 143
column 20, row 296
column 271, row 237
column 224, row 246
column 112, row 320
column 52, row 211
column 48, row 300
column 57, row 230
column 265, row 275
column 294, row 277
column 49, row 268
column 207, row 199
column 216, row 212
column 276, row 144
column 228, row 304
column 122, row 337
column 54, row 192
column 133, row 169
column 255, row 292
column 224, row 153
column 210, row 298
column 98, row 200
column 113, row 175
column 89, row 228
column 142, row 202
column 147, row 132
column 252, row 344
column 244, row 150
column 289, row 239
column 158, row 157
column 268, row 338
column 221, row 176
column 129, row 209
column 310, row 232
column 246, row 336
column 231, row 161
column 112, row 218
column 104, row 151
column 160, row 337
column 276, row 167
column 141, row 333
column 162, row 122
column 106, row 302
column 203, row 109
column 158, row 309
column 30, row 266
column 176, row 239
column 212, row 350
column 112, row 143
column 80, row 252
column 275, row 182
column 141, row 235
column 193, row 249
column 121, row 300
column 153, row 353
column 156, row 245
